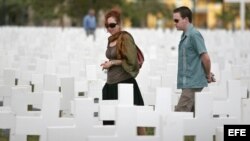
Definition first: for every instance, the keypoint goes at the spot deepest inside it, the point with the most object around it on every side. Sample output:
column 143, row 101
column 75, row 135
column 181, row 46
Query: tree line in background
column 43, row 12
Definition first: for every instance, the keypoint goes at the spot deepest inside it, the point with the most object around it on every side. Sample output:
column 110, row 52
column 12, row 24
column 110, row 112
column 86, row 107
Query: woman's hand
column 106, row 65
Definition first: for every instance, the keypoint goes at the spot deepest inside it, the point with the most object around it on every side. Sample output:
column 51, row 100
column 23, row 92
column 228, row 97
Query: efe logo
column 237, row 132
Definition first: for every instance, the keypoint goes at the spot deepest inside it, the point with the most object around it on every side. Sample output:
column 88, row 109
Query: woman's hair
column 115, row 14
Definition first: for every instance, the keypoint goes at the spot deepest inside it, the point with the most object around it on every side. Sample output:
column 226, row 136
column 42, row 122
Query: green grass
column 3, row 137
column 189, row 138
column 32, row 138
column 150, row 131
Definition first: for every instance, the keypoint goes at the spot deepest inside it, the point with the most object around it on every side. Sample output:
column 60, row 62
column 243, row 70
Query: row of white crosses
column 71, row 126
column 82, row 126
column 39, row 124
column 68, row 52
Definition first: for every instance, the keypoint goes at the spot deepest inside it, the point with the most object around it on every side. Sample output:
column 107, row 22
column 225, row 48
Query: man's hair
column 184, row 12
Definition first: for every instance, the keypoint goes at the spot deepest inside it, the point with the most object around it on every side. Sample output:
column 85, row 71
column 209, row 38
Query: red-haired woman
column 122, row 66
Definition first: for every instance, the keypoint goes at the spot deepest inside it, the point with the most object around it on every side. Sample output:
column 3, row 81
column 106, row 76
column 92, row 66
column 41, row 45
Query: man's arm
column 205, row 59
column 85, row 22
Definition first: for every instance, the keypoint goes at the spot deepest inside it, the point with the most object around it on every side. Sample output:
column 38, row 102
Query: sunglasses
column 110, row 25
column 176, row 20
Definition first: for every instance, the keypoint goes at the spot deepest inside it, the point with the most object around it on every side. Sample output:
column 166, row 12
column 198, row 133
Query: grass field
column 4, row 134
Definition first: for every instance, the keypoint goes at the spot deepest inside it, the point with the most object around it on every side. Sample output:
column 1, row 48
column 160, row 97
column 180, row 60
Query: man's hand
column 210, row 78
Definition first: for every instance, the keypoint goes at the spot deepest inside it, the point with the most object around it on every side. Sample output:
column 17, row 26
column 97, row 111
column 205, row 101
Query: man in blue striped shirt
column 194, row 63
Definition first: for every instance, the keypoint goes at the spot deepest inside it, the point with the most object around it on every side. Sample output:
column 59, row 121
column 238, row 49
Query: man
column 89, row 23
column 193, row 60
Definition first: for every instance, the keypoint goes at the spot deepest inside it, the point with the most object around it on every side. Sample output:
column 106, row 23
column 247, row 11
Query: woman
column 122, row 66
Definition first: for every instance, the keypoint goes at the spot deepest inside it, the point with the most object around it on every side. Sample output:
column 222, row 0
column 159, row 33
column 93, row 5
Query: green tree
column 229, row 14
column 248, row 15
column 46, row 10
column 14, row 12
column 42, row 12
column 138, row 11
column 78, row 8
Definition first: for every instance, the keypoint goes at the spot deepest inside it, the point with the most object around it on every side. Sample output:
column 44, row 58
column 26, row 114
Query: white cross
column 37, row 125
column 231, row 105
column 128, row 117
column 172, row 122
column 7, row 120
column 84, row 124
column 203, row 126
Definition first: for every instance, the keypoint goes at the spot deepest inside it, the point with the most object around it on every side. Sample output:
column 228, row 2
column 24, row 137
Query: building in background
column 207, row 13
